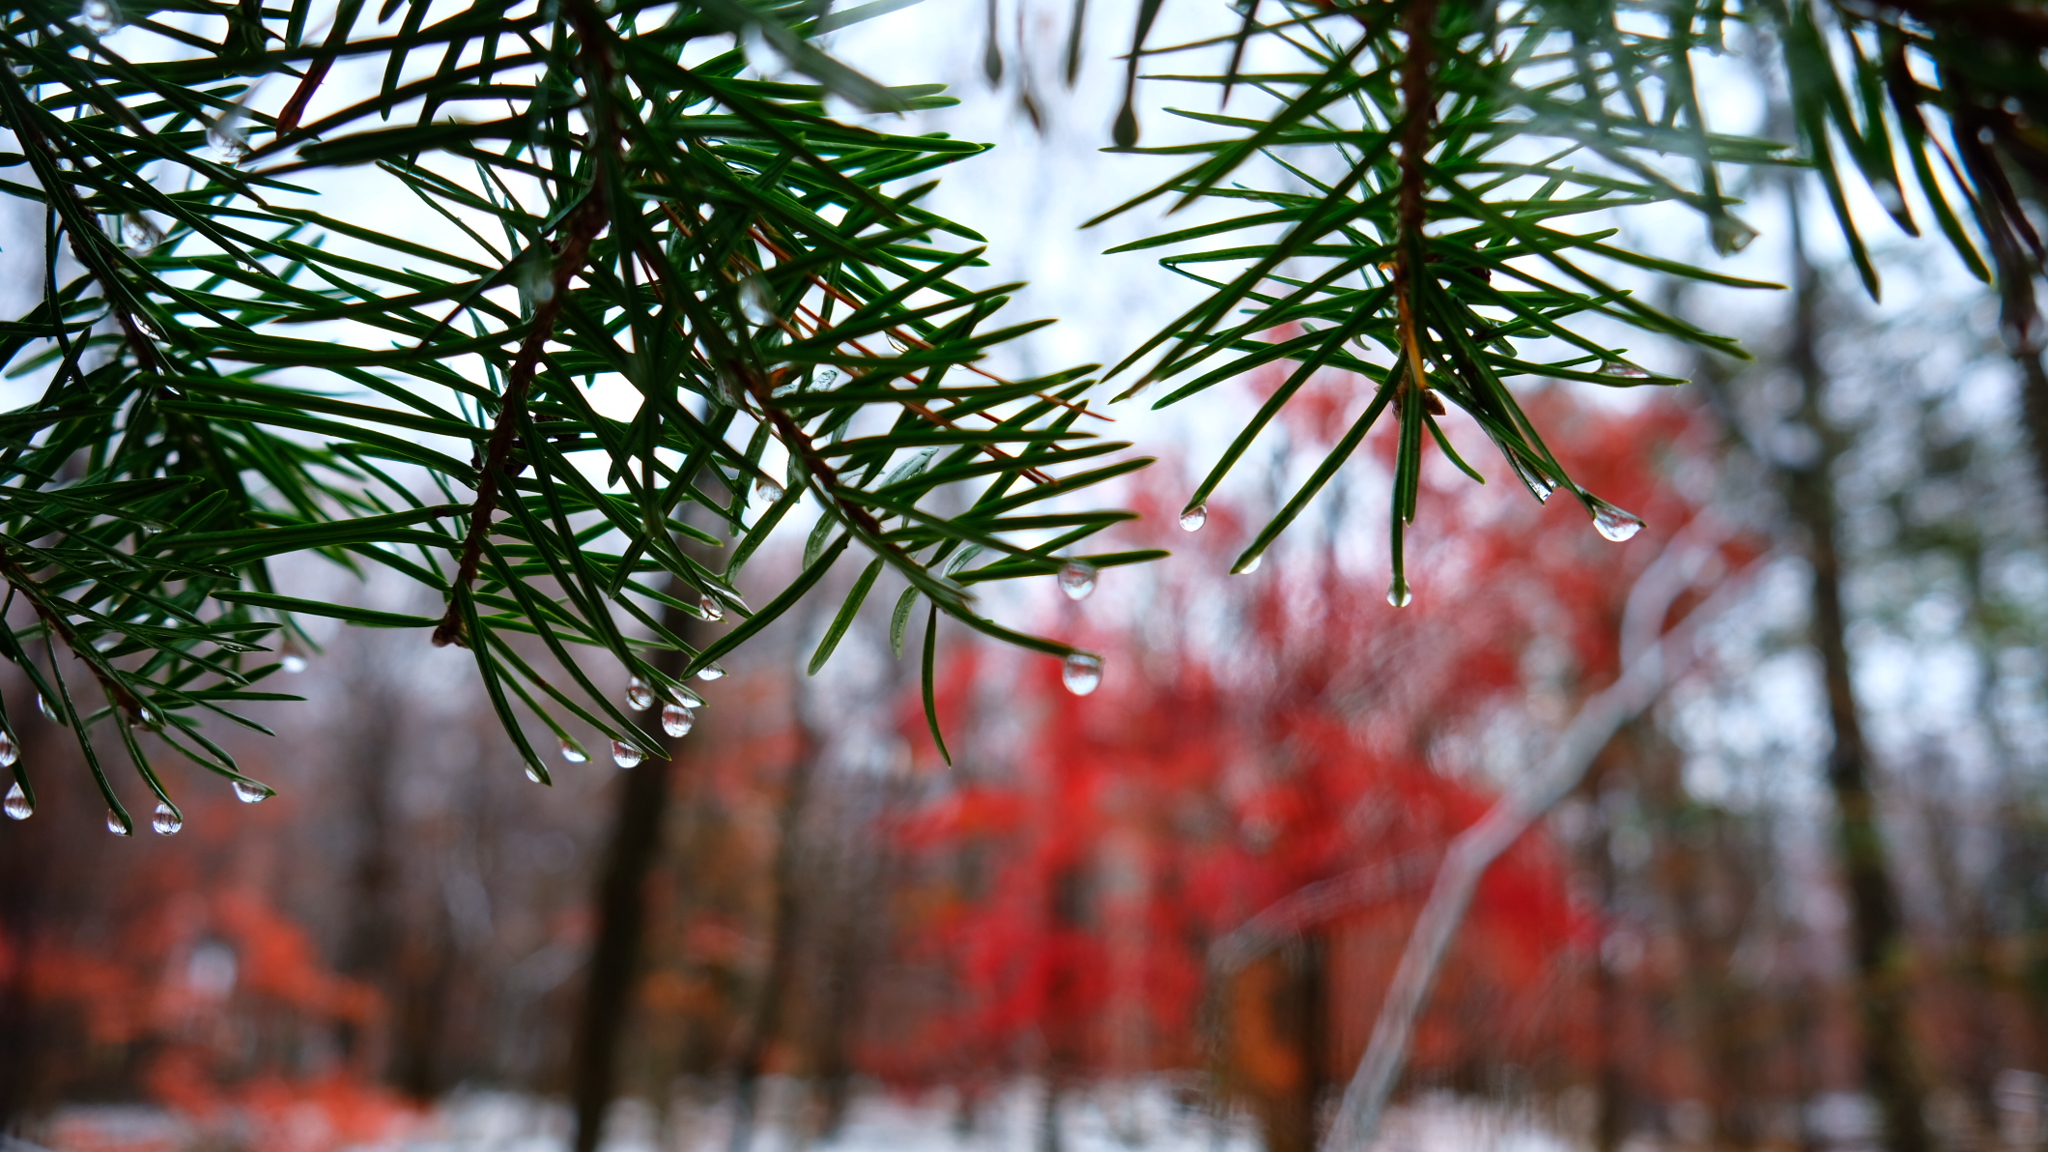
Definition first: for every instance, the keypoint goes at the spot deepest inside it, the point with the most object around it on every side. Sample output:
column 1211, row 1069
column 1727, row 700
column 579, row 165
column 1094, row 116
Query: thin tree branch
column 1643, row 679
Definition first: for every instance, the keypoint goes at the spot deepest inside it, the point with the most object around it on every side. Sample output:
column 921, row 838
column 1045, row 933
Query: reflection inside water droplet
column 1077, row 579
column 1193, row 519
column 625, row 755
column 1081, row 672
column 166, row 821
column 710, row 609
column 1398, row 594
column 1615, row 523
column 639, row 697
column 677, row 720
column 18, row 806
column 757, row 302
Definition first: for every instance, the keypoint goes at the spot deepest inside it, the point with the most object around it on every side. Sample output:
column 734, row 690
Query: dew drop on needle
column 574, row 754
column 115, row 824
column 250, row 792
column 639, row 697
column 1081, row 672
column 1077, row 579
column 677, row 720
column 1193, row 519
column 166, row 821
column 1614, row 523
column 625, row 755
column 19, row 806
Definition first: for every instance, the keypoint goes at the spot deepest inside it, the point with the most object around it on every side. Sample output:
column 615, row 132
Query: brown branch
column 118, row 694
column 1418, row 100
column 582, row 228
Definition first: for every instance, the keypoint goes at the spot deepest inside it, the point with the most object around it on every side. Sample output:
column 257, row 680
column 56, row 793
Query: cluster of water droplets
column 1081, row 672
column 1077, row 579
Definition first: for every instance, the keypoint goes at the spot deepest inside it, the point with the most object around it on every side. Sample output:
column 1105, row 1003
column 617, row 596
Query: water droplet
column 250, row 792
column 224, row 142
column 533, row 774
column 901, row 344
column 293, row 663
column 19, row 807
column 43, row 706
column 639, row 697
column 1247, row 567
column 1888, row 194
column 767, row 491
column 1193, row 519
column 1614, row 523
column 1081, row 672
column 116, row 825
column 711, row 672
column 166, row 821
column 677, row 720
column 573, row 753
column 757, row 300
column 1077, row 579
column 1621, row 368
column 1398, row 593
column 625, row 755
column 99, row 17
column 9, row 750
column 1730, row 235
column 1539, row 485
column 710, row 609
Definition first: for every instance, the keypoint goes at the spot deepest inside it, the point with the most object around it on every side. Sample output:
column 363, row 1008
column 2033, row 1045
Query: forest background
column 1169, row 911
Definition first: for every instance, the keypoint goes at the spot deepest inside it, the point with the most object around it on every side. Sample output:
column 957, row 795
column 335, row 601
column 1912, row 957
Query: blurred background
column 1165, row 915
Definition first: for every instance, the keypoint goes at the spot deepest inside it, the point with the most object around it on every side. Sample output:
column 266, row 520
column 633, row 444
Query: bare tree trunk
column 1878, row 941
column 782, row 942
column 622, row 922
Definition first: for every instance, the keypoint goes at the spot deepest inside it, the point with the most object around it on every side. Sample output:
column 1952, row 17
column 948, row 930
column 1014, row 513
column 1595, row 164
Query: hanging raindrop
column 677, row 720
column 711, row 672
column 1077, row 579
column 1193, row 519
column 639, row 697
column 1614, row 523
column 1247, row 567
column 43, row 706
column 625, row 755
column 9, row 750
column 757, row 302
column 710, row 609
column 1730, row 235
column 19, row 806
column 767, row 491
column 166, row 821
column 1081, row 672
column 1539, row 484
column 572, row 753
column 293, row 663
column 1398, row 594
column 99, row 17
column 250, row 792
column 116, row 825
